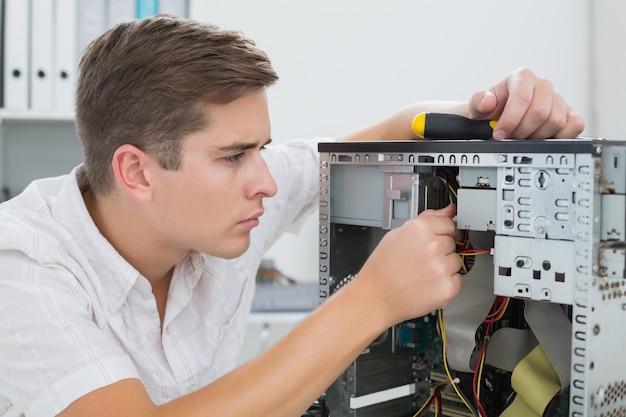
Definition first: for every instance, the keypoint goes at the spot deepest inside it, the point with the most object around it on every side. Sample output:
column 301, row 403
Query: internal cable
column 434, row 398
column 498, row 309
column 479, row 370
column 453, row 381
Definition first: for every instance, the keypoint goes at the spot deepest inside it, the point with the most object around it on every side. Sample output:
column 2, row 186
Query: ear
column 129, row 167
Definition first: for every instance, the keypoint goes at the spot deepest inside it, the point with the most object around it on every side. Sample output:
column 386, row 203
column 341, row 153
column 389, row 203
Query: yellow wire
column 445, row 361
column 418, row 412
column 480, row 364
column 451, row 188
column 463, row 255
column 430, row 397
column 456, row 196
column 497, row 315
column 481, row 360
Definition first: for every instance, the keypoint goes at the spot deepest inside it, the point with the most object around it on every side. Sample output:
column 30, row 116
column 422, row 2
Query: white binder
column 65, row 61
column 42, row 12
column 16, row 54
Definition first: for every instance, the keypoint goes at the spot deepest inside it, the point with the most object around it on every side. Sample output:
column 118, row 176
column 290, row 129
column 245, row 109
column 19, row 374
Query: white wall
column 345, row 63
column 608, row 78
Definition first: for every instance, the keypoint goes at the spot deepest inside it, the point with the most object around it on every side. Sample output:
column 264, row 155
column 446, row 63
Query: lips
column 252, row 221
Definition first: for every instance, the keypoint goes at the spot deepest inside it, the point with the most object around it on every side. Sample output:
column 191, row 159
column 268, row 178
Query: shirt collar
column 104, row 265
column 115, row 275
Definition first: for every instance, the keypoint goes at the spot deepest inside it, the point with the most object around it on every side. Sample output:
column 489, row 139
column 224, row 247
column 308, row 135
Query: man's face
column 215, row 198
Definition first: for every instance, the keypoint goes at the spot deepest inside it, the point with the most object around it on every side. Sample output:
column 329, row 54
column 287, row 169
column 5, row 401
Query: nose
column 262, row 183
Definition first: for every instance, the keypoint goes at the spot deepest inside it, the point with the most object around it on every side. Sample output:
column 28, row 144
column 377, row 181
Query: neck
column 123, row 226
column 128, row 231
column 160, row 290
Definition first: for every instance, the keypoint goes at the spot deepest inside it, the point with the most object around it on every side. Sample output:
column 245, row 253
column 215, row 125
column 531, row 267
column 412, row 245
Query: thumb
column 448, row 211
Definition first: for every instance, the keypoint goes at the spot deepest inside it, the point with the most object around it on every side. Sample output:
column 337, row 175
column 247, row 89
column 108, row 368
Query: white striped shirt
column 75, row 316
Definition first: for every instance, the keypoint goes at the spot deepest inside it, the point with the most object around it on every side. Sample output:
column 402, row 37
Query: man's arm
column 391, row 286
column 526, row 105
column 413, row 271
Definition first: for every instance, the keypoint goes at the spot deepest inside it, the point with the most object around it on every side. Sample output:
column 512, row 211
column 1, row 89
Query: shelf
column 34, row 116
column 35, row 145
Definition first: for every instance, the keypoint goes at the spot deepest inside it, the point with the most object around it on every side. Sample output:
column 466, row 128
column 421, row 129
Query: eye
column 234, row 158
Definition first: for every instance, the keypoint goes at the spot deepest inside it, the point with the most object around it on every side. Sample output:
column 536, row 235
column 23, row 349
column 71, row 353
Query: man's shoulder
column 27, row 221
column 37, row 195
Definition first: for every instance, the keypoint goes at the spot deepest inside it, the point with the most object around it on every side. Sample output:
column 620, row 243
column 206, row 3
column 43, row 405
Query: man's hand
column 527, row 107
column 415, row 269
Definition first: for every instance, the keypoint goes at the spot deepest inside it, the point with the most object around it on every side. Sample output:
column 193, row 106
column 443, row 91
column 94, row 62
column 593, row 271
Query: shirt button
column 150, row 336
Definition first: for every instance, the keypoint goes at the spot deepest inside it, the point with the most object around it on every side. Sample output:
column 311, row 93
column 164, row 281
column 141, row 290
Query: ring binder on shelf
column 41, row 51
column 16, row 55
column 65, row 56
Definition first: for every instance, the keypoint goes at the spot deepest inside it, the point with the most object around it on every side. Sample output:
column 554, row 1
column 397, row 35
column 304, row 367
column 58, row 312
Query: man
column 125, row 285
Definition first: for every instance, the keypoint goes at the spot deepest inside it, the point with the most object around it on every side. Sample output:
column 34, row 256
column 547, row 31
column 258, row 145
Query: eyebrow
column 241, row 146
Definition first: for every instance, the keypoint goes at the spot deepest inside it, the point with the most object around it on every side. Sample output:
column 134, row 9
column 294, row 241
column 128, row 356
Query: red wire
column 474, row 251
column 498, row 309
column 435, row 399
column 479, row 364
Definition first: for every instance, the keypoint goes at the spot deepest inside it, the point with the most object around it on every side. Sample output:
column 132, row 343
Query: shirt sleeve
column 52, row 352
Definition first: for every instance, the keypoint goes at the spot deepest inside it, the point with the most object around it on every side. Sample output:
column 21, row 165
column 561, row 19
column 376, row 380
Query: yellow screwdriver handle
column 451, row 126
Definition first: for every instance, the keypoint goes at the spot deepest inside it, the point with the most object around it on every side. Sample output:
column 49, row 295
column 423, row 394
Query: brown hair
column 148, row 83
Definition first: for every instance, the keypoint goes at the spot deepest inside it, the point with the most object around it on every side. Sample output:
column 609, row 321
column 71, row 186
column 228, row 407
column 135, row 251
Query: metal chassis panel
column 598, row 385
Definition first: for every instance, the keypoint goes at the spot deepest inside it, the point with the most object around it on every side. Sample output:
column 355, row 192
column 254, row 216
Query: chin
column 231, row 252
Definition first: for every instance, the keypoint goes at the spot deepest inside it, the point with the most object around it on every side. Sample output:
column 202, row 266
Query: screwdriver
column 451, row 126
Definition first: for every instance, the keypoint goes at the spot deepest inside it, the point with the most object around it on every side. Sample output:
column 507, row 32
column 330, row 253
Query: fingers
column 527, row 107
column 441, row 224
column 439, row 244
column 484, row 105
column 443, row 244
column 575, row 125
column 438, row 222
column 448, row 211
column 418, row 257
